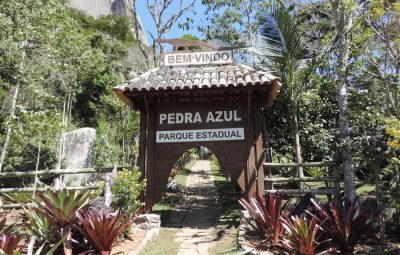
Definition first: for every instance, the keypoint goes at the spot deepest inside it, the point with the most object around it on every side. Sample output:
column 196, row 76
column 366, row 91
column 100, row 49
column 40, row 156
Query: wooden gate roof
column 195, row 78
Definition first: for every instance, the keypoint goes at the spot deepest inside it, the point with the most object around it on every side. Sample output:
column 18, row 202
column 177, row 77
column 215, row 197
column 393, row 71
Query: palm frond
column 282, row 48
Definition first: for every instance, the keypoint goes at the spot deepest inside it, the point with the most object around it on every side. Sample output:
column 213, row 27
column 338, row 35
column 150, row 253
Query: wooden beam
column 18, row 190
column 16, row 206
column 304, row 164
column 304, row 179
column 303, row 191
column 61, row 171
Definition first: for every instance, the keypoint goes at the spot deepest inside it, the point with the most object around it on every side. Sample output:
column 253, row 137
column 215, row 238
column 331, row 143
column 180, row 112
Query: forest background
column 57, row 68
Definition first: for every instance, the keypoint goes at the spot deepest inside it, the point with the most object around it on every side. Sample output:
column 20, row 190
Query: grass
column 167, row 203
column 227, row 245
column 182, row 175
column 163, row 244
column 229, row 193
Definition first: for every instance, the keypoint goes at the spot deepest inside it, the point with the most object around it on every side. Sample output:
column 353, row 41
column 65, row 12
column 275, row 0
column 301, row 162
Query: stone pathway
column 199, row 212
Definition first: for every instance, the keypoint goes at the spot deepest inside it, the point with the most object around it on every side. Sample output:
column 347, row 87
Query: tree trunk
column 8, row 134
column 379, row 204
column 296, row 136
column 396, row 98
column 344, row 21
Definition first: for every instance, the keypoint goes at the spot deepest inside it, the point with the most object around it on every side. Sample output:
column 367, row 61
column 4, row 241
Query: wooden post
column 149, row 198
column 142, row 142
column 337, row 184
column 327, row 183
column 258, row 148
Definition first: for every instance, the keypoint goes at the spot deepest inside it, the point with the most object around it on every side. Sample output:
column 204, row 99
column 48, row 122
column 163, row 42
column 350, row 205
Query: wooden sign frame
column 241, row 160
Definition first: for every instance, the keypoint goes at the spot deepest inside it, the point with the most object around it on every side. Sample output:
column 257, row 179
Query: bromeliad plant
column 9, row 239
column 266, row 216
column 303, row 237
column 102, row 229
column 60, row 208
column 344, row 224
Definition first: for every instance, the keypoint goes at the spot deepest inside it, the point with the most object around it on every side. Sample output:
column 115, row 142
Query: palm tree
column 284, row 55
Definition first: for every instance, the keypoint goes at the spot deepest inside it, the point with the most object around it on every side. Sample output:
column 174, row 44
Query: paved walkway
column 199, row 212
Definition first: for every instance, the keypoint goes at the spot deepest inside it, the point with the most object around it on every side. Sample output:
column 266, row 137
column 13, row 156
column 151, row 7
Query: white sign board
column 200, row 135
column 221, row 57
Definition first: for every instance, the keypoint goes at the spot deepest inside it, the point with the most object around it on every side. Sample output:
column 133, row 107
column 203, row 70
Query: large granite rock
column 77, row 153
column 98, row 8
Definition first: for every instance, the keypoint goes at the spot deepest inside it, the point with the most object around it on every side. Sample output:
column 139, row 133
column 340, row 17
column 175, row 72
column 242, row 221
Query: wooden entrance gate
column 216, row 107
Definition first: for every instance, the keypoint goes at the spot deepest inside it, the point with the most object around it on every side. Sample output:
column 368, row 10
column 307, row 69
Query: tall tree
column 233, row 22
column 343, row 15
column 164, row 20
column 284, row 53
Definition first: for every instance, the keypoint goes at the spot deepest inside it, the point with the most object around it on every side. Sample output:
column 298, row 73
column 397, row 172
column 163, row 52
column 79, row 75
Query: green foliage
column 232, row 22
column 126, row 189
column 304, row 236
column 65, row 63
column 60, row 207
column 39, row 226
column 315, row 171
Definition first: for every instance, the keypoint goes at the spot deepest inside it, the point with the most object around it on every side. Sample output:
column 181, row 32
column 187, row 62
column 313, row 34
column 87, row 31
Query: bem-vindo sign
column 173, row 120
column 222, row 57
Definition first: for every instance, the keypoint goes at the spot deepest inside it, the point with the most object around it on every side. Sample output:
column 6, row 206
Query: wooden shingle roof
column 163, row 79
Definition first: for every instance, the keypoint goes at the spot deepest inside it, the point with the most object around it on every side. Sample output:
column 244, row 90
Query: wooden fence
column 331, row 180
column 49, row 172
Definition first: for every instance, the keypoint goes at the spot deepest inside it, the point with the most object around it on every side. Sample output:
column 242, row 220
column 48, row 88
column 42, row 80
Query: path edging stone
column 151, row 223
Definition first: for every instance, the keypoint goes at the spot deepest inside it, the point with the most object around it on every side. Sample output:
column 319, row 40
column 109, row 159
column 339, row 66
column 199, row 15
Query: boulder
column 77, row 153
column 146, row 222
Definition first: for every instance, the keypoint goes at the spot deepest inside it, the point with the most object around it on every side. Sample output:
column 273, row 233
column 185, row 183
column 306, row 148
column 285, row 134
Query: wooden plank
column 304, row 164
column 303, row 191
column 304, row 179
column 61, row 171
column 16, row 206
column 17, row 190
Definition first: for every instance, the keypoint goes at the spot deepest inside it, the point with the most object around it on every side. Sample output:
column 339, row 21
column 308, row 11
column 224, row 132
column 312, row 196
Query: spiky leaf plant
column 266, row 216
column 303, row 237
column 59, row 208
column 9, row 243
column 102, row 229
column 343, row 223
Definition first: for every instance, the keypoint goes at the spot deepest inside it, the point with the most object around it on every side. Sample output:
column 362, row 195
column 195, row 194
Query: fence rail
column 57, row 172
column 328, row 179
column 50, row 172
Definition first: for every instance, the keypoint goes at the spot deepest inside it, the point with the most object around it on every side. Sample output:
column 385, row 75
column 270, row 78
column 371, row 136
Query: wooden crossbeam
column 57, row 172
column 11, row 190
column 303, row 179
column 305, row 164
column 302, row 191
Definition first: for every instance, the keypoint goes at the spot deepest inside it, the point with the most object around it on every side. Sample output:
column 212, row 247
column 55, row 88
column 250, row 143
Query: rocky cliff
column 97, row 8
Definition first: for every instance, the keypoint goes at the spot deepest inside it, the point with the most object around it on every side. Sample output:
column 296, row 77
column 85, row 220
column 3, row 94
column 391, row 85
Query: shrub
column 102, row 229
column 343, row 223
column 267, row 217
column 126, row 189
column 59, row 208
column 303, row 237
column 9, row 239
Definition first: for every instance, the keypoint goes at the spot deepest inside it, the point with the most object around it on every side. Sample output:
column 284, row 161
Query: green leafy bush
column 126, row 188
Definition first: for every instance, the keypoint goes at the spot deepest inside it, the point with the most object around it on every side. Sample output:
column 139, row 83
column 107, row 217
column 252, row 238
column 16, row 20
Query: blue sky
column 175, row 32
